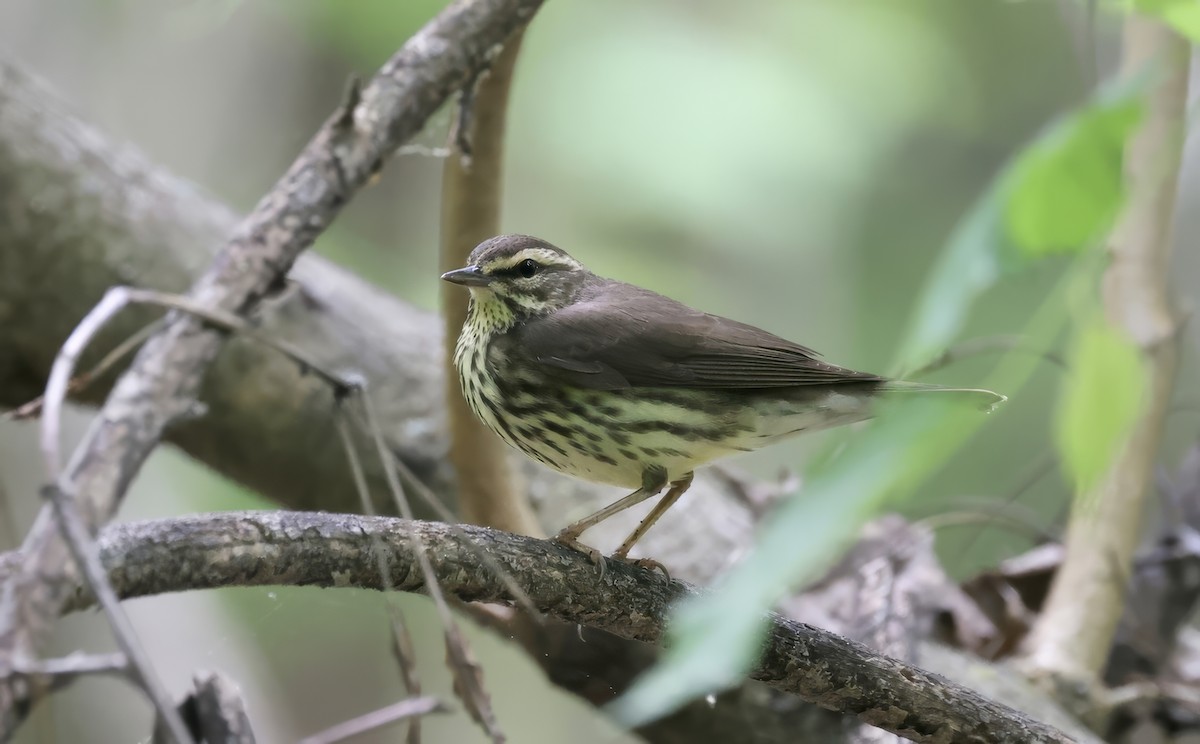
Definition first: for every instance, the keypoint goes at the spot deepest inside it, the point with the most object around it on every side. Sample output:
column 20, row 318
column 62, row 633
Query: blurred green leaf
column 1182, row 15
column 1102, row 393
column 1058, row 195
column 1068, row 187
column 974, row 259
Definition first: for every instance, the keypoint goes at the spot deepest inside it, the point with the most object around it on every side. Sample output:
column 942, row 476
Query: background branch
column 471, row 200
column 1073, row 636
column 305, row 549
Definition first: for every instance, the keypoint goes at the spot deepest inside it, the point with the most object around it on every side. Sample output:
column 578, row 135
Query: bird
column 617, row 384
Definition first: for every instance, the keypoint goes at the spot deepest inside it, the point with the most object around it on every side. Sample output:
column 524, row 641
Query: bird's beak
column 469, row 276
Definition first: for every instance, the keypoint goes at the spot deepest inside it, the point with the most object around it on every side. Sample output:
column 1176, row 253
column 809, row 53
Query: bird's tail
column 985, row 400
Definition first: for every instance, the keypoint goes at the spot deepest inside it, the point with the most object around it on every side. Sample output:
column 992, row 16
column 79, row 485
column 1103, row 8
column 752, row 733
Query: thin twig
column 985, row 345
column 113, row 302
column 1032, row 474
column 64, row 367
column 402, row 645
column 52, row 675
column 83, row 547
column 81, row 381
column 403, row 710
column 468, row 676
column 430, row 499
column 965, row 517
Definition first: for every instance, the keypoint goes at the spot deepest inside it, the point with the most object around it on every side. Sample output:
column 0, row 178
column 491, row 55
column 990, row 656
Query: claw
column 647, row 563
column 650, row 565
column 570, row 541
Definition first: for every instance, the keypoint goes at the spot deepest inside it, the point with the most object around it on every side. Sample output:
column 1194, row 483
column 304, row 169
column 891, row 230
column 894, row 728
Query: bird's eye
column 528, row 268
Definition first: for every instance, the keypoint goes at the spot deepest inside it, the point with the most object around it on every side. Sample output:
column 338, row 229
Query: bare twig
column 402, row 644
column 83, row 547
column 430, row 499
column 63, row 369
column 311, row 549
column 403, row 710
column 1073, row 636
column 33, row 408
column 468, row 675
column 45, row 676
column 985, row 345
column 114, row 301
column 164, row 380
column 1029, row 477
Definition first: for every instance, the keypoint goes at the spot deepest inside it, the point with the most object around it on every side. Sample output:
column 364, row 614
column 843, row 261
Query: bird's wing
column 629, row 337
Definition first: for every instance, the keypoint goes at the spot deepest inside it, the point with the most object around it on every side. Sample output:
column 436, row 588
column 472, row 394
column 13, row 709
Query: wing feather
column 624, row 336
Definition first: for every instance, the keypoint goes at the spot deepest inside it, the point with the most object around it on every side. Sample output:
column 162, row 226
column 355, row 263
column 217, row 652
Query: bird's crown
column 503, row 253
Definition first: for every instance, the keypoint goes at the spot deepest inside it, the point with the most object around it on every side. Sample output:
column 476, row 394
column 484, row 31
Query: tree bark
column 330, row 550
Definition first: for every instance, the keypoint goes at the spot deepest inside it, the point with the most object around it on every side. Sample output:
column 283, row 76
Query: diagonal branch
column 304, row 549
column 163, row 383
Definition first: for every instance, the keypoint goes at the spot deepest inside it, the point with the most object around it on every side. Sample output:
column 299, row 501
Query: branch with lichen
column 330, row 550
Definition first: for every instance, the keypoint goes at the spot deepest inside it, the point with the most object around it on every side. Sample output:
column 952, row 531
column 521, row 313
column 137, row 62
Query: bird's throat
column 490, row 313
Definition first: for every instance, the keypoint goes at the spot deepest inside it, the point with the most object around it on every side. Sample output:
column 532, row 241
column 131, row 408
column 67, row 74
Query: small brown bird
column 617, row 384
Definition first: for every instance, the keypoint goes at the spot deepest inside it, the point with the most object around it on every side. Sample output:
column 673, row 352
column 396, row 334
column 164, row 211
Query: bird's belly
column 613, row 437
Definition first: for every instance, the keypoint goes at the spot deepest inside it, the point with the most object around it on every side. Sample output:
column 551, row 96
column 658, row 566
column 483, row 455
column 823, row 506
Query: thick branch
column 305, row 549
column 1074, row 634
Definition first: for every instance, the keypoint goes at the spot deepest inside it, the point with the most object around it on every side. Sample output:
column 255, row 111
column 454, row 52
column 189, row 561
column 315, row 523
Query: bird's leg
column 653, row 481
column 678, row 488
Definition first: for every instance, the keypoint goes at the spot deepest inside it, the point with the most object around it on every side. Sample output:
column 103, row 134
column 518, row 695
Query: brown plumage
column 617, row 384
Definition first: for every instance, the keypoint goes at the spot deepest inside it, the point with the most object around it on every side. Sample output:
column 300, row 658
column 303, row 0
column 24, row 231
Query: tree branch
column 329, row 550
column 1073, row 636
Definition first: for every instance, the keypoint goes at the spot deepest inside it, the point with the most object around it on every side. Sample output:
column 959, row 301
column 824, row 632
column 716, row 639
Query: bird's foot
column 571, row 541
column 647, row 563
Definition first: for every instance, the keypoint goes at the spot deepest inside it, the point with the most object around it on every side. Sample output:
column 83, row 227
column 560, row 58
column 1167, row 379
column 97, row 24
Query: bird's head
column 520, row 276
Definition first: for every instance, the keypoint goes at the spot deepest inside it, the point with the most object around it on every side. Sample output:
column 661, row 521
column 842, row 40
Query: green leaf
column 974, row 259
column 1182, row 15
column 1103, row 392
column 1068, row 188
column 1058, row 195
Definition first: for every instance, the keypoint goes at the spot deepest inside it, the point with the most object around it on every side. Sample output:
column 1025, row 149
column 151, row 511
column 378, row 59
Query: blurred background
column 795, row 164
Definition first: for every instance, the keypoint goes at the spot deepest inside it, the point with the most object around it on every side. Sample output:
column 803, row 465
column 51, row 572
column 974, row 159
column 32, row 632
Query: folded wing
column 636, row 338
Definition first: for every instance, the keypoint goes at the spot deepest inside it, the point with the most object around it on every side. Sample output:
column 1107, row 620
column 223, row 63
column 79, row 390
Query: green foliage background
column 799, row 165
